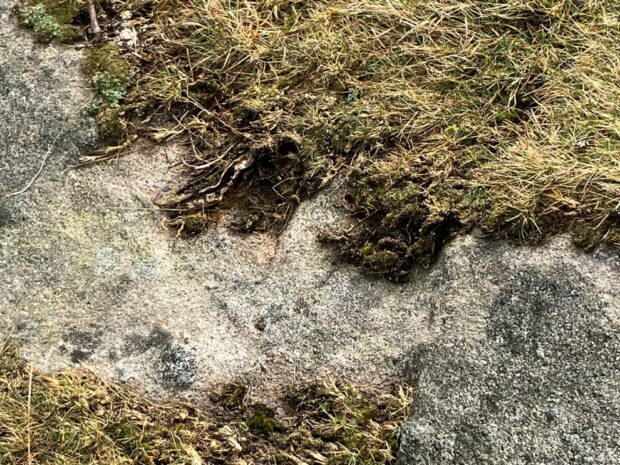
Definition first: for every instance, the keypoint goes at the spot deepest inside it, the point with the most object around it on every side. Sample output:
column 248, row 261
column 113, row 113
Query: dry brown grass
column 442, row 114
column 74, row 418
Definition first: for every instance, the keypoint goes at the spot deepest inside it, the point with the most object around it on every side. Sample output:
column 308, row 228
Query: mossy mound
column 110, row 75
column 62, row 20
column 75, row 418
column 108, row 71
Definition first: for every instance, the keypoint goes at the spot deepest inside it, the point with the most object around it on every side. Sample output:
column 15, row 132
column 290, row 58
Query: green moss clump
column 66, row 12
column 196, row 223
column 193, row 224
column 93, row 108
column 110, row 87
column 50, row 20
column 588, row 238
column 111, row 76
column 262, row 420
column 112, row 126
column 108, row 72
column 44, row 26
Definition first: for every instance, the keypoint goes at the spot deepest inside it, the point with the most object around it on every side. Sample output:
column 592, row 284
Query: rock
column 513, row 350
column 178, row 367
column 541, row 386
column 5, row 214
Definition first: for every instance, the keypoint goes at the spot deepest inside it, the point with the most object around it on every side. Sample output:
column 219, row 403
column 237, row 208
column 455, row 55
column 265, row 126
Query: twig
column 94, row 24
column 36, row 176
column 61, row 132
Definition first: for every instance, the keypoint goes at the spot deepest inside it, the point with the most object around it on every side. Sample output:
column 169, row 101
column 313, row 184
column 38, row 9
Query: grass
column 72, row 417
column 441, row 115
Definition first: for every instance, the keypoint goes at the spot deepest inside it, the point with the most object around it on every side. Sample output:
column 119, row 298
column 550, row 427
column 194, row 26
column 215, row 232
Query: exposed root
column 107, row 153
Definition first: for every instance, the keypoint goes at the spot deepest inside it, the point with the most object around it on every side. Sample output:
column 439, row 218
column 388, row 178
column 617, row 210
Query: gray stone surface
column 514, row 351
column 541, row 387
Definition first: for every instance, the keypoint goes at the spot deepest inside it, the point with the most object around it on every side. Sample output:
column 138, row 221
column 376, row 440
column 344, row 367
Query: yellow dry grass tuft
column 75, row 418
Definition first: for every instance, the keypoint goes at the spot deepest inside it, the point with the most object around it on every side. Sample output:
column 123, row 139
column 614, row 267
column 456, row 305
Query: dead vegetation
column 73, row 417
column 441, row 114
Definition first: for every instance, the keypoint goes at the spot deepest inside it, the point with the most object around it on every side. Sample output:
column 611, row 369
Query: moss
column 93, row 108
column 588, row 238
column 61, row 20
column 112, row 126
column 111, row 76
column 262, row 420
column 44, row 27
column 343, row 415
column 109, row 72
column 127, row 436
column 193, row 224
column 232, row 396
column 196, row 223
column 66, row 12
column 399, row 200
column 110, row 87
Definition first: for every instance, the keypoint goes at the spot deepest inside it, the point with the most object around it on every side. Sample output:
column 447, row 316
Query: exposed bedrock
column 513, row 351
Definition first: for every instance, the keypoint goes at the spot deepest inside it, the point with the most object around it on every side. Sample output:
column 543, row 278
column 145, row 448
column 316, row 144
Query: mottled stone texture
column 541, row 387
